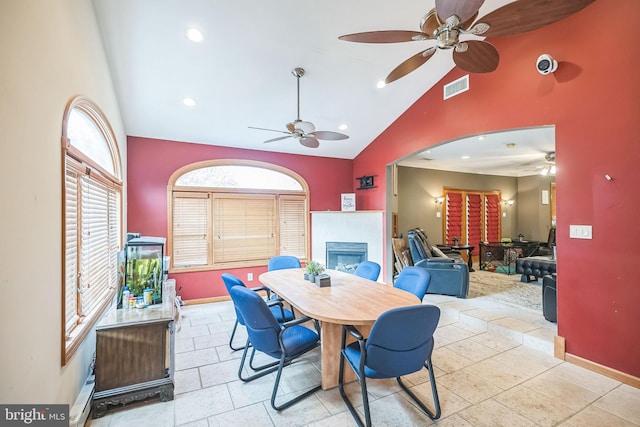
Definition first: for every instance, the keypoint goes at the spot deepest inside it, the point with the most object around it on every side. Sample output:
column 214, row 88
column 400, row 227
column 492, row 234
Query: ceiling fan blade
column 309, row 141
column 526, row 15
column 328, row 135
column 270, row 130
column 430, row 22
column 463, row 9
column 278, row 138
column 409, row 65
column 305, row 127
column 478, row 57
column 387, row 36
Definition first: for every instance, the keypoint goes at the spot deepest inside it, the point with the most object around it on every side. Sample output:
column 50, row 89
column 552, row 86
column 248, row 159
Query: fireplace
column 345, row 256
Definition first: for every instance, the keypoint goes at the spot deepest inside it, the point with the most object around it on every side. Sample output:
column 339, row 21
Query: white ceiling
column 240, row 75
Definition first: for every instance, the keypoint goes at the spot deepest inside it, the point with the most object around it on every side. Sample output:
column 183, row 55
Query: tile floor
column 494, row 367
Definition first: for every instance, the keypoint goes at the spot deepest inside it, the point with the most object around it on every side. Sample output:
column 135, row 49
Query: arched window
column 236, row 213
column 92, row 197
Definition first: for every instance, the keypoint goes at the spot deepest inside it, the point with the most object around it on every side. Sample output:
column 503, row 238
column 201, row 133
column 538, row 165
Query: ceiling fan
column 452, row 18
column 305, row 132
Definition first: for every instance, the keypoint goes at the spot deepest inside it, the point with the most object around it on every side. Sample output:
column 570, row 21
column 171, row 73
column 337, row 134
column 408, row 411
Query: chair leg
column 284, row 362
column 267, row 369
column 233, row 334
column 434, row 391
column 363, row 390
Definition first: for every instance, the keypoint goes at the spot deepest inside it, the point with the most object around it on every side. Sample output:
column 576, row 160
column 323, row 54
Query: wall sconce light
column 508, row 202
column 438, row 200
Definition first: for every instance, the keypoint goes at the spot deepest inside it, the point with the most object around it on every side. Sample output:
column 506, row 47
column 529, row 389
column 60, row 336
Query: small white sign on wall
column 545, row 197
column 348, row 202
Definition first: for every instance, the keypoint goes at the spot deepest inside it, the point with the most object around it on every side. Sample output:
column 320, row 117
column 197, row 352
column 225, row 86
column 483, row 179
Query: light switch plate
column 580, row 232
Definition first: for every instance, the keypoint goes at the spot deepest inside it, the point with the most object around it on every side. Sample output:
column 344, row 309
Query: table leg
column 470, row 260
column 330, row 341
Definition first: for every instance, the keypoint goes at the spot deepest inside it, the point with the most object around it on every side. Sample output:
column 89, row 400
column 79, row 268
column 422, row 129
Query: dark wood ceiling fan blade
column 278, row 138
column 430, row 22
column 527, row 15
column 270, row 130
column 463, row 9
column 387, row 36
column 480, row 57
column 309, row 141
column 409, row 65
column 328, row 135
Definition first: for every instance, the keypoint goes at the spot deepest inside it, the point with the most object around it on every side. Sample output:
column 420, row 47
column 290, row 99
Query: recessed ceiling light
column 481, row 137
column 343, row 127
column 381, row 84
column 465, row 157
column 189, row 102
column 194, row 35
column 511, row 144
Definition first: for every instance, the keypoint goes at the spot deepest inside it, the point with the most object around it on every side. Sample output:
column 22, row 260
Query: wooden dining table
column 350, row 300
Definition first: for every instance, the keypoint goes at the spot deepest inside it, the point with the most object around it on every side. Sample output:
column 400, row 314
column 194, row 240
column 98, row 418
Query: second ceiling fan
column 305, row 132
column 452, row 18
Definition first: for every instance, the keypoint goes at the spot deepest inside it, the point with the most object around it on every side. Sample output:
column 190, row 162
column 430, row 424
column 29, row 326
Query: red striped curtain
column 474, row 219
column 492, row 203
column 454, row 218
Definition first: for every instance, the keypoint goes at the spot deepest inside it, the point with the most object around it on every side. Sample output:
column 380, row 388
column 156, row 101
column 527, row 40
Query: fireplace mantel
column 353, row 226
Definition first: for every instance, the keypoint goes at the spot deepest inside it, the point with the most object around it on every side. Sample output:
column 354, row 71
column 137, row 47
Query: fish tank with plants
column 143, row 268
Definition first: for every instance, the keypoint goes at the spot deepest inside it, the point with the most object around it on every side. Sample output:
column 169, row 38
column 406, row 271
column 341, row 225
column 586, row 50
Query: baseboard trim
column 206, row 300
column 560, row 353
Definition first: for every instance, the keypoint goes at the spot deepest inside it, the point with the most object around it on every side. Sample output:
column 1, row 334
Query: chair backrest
column 368, row 269
column 283, row 261
column 401, row 340
column 419, row 247
column 551, row 239
column 262, row 326
column 231, row 281
column 415, row 280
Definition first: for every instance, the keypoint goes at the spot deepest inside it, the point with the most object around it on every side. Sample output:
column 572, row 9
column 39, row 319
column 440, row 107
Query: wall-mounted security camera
column 545, row 64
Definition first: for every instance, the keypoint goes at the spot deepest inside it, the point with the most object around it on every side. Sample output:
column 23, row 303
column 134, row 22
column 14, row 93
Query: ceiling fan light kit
column 451, row 19
column 304, row 132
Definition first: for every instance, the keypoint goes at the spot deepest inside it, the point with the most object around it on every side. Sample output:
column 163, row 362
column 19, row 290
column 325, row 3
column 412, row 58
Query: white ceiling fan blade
column 270, row 130
column 278, row 138
column 305, row 127
column 328, row 135
column 309, row 141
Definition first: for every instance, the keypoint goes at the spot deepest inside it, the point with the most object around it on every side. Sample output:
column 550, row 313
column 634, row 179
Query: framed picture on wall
column 348, row 202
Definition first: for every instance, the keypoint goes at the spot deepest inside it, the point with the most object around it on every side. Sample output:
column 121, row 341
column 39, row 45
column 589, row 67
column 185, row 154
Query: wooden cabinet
column 134, row 355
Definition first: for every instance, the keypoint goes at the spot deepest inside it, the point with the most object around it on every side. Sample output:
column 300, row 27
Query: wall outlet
column 249, row 277
column 438, row 214
column 580, row 232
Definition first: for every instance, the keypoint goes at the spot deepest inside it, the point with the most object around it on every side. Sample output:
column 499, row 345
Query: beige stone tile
column 593, row 416
column 186, row 380
column 219, row 373
column 397, row 410
column 454, row 420
column 200, row 404
column 469, row 386
column 195, row 358
column 448, row 360
column 193, row 331
column 624, row 401
column 472, row 350
column 213, row 340
column 153, row 413
column 490, row 413
column 452, row 333
column 497, row 373
column 332, row 400
column 342, row 419
column 450, row 403
column 534, row 406
column 540, row 339
column 494, row 341
column 561, row 390
column 254, row 416
column 515, row 324
column 184, row 344
column 302, row 413
column 585, row 378
column 528, row 361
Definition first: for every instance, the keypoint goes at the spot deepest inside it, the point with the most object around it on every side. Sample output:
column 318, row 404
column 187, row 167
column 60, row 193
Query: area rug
column 506, row 289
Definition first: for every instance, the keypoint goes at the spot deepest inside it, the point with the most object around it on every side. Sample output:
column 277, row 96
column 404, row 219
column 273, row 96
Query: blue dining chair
column 368, row 269
column 281, row 262
column 400, row 343
column 281, row 314
column 415, row 280
column 284, row 342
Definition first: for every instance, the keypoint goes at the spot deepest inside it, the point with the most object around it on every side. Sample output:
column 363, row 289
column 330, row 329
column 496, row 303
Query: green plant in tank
column 143, row 273
column 314, row 267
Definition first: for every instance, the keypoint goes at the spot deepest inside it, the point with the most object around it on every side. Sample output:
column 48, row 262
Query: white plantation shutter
column 191, row 235
column 293, row 225
column 71, row 251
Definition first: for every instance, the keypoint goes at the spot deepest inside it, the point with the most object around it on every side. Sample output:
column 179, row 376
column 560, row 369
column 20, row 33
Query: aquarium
column 143, row 268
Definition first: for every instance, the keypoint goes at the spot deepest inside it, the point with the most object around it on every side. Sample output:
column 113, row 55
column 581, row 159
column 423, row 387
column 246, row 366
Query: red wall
column 593, row 99
column 150, row 163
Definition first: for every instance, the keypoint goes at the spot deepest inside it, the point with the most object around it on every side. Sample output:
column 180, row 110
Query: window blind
column 244, row 228
column 474, row 219
column 293, row 225
column 71, row 250
column 191, row 237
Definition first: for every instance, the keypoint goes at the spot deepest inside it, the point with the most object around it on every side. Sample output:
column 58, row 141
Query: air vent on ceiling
column 456, row 87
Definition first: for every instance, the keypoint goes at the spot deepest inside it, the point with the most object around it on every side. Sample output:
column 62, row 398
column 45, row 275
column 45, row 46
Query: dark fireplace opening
column 345, row 256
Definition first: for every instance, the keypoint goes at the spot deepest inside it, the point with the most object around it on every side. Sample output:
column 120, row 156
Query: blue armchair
column 449, row 276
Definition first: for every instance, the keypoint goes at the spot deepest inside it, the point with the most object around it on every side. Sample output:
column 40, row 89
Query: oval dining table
column 350, row 300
